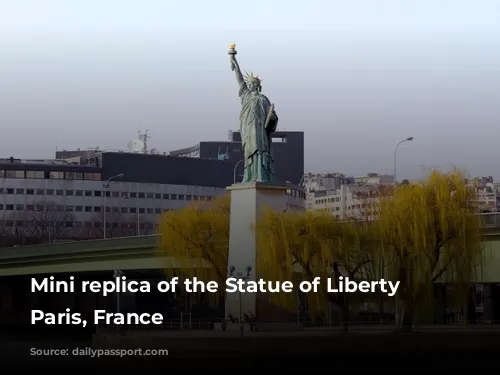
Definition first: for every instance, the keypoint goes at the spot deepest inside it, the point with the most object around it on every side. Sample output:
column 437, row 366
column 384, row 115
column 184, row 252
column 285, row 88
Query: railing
column 365, row 323
column 491, row 219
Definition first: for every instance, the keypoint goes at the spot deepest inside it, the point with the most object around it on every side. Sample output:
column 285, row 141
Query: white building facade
column 60, row 208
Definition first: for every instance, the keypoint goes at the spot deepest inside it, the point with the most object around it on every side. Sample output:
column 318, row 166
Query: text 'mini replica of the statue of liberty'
column 258, row 121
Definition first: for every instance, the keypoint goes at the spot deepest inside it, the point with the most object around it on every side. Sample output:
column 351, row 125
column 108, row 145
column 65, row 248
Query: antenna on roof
column 144, row 138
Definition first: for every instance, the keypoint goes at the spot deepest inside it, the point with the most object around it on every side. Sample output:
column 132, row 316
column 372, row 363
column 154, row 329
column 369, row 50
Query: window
column 40, row 207
column 149, row 195
column 78, row 208
column 73, row 176
column 49, row 192
column 93, row 176
column 165, row 196
column 30, row 191
column 97, row 208
column 19, row 207
column 149, row 211
column 69, row 192
column 132, row 210
column 141, row 195
column 97, row 193
column 35, row 174
column 14, row 174
column 116, row 209
column 30, row 207
column 142, row 210
column 181, row 197
column 9, row 191
column 69, row 209
column 54, row 175
column 40, row 191
column 158, row 196
column 133, row 195
column 158, row 211
column 115, row 194
column 59, row 192
column 88, row 193
column 88, row 208
column 20, row 191
column 78, row 193
column 123, row 210
column 188, row 197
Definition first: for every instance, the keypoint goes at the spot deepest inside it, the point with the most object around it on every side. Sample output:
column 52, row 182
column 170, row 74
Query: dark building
column 288, row 150
column 163, row 169
column 215, row 164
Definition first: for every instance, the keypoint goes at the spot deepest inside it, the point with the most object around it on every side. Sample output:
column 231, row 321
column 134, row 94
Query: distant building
column 70, row 198
column 338, row 194
column 347, row 202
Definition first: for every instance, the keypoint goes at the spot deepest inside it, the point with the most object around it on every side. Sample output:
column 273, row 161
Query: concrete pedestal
column 248, row 200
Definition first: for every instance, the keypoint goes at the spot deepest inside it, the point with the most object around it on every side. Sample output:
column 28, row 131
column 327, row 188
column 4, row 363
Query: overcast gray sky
column 357, row 76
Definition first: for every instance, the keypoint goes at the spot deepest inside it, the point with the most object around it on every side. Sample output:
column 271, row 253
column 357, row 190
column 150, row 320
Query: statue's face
column 255, row 86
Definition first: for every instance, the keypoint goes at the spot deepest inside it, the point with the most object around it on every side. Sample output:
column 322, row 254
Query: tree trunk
column 381, row 307
column 399, row 312
column 344, row 317
column 471, row 313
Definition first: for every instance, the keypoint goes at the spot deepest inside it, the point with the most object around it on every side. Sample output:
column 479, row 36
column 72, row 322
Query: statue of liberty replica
column 258, row 121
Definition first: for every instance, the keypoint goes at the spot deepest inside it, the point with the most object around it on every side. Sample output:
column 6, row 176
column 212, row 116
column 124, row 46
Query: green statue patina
column 258, row 121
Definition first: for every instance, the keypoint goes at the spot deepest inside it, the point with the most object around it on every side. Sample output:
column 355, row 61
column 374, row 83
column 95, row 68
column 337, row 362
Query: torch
column 232, row 53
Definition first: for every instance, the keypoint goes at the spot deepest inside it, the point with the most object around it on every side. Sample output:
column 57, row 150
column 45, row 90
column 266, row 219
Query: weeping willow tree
column 195, row 239
column 429, row 233
column 302, row 246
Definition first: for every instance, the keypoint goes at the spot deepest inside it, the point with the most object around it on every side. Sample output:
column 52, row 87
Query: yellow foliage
column 299, row 246
column 197, row 238
column 429, row 232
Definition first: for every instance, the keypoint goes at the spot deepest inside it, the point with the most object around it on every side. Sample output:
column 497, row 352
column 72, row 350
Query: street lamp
column 234, row 171
column 240, row 276
column 409, row 139
column 105, row 187
column 117, row 274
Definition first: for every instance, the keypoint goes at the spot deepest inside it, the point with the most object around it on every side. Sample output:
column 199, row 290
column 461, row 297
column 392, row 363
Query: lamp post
column 409, row 139
column 117, row 274
column 234, row 171
column 240, row 276
column 105, row 187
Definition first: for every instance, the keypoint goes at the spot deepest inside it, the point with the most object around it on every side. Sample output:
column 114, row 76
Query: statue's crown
column 250, row 78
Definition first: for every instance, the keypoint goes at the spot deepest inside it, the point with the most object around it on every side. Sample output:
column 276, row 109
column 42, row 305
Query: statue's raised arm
column 236, row 68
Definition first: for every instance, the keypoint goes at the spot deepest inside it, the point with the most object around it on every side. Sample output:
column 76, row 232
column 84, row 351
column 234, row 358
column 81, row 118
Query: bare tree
column 117, row 225
column 50, row 223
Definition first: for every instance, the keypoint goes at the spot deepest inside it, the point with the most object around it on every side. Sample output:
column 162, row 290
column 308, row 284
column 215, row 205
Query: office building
column 61, row 199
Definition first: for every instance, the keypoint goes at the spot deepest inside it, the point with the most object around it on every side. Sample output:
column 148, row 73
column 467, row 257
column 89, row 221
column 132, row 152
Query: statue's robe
column 256, row 136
